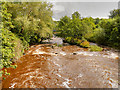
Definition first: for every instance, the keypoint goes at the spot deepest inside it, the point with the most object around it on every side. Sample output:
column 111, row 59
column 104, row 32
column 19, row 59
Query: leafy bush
column 79, row 42
column 85, row 44
column 82, row 43
column 12, row 49
column 68, row 39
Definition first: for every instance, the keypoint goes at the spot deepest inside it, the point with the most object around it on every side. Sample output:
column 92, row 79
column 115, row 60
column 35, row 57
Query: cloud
column 83, row 0
column 86, row 9
column 58, row 9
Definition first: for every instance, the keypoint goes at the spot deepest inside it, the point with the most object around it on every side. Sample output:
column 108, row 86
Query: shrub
column 12, row 49
column 79, row 42
column 68, row 39
column 11, row 46
column 85, row 44
column 82, row 43
column 75, row 40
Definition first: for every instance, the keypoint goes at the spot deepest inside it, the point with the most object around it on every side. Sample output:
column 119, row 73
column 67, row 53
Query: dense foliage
column 101, row 31
column 115, row 13
column 12, row 47
column 32, row 21
column 23, row 24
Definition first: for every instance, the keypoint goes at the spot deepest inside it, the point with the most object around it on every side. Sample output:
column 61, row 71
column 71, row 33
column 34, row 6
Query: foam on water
column 66, row 83
column 29, row 52
column 63, row 53
column 87, row 53
column 113, row 83
column 111, row 55
column 58, row 75
column 56, row 64
column 13, row 85
column 108, row 54
column 38, row 52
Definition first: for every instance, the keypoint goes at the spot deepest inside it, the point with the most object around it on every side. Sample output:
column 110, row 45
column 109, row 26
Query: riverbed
column 49, row 66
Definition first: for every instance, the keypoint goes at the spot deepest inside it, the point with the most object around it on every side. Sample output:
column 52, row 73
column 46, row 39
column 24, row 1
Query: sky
column 87, row 8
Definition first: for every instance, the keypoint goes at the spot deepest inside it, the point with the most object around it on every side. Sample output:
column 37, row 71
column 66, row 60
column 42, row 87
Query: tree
column 114, row 13
column 32, row 20
column 96, row 20
column 76, row 15
column 63, row 26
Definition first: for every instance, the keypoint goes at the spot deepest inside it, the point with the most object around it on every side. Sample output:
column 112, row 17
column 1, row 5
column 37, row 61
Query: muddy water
column 64, row 67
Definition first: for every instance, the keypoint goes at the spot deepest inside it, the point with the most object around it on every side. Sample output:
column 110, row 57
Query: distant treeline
column 101, row 31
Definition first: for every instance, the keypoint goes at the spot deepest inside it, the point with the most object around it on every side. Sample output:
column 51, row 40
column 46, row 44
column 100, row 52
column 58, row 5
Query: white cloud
column 64, row 0
column 86, row 9
column 83, row 0
column 58, row 9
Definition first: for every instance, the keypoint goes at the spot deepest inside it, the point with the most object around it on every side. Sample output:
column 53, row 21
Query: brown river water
column 44, row 66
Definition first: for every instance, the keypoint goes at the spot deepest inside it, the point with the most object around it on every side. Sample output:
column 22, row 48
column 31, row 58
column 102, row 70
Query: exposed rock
column 74, row 53
column 56, row 53
column 106, row 49
column 52, row 47
column 105, row 53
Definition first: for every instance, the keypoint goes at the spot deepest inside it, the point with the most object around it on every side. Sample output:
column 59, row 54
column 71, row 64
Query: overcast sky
column 87, row 8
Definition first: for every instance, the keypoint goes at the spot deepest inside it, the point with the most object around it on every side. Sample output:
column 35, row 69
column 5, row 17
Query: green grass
column 60, row 45
column 95, row 48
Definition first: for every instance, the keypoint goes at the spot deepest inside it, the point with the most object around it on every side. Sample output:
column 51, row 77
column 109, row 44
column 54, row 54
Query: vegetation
column 81, row 30
column 32, row 21
column 27, row 23
column 82, row 43
column 95, row 48
column 115, row 13
column 23, row 24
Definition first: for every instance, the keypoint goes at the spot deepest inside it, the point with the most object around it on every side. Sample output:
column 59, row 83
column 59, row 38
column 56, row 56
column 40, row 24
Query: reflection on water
column 64, row 67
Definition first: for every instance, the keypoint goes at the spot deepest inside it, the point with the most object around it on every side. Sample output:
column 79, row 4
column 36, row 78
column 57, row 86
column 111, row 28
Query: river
column 70, row 66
